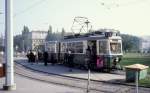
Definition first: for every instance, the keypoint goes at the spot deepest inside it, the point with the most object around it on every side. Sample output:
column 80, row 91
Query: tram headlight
column 116, row 59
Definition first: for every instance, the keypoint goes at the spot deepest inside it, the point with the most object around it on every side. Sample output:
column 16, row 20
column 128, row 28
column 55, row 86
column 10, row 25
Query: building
column 34, row 40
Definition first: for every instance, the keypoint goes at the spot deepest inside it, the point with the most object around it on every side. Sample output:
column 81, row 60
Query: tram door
column 92, row 45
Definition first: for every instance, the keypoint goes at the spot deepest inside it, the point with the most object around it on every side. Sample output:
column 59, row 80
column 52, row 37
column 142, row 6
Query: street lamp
column 87, row 23
column 89, row 72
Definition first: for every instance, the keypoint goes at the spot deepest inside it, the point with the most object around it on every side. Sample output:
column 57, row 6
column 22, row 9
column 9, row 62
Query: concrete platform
column 63, row 70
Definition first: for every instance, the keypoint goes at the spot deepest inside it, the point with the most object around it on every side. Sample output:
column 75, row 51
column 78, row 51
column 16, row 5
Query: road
column 27, row 85
column 99, row 87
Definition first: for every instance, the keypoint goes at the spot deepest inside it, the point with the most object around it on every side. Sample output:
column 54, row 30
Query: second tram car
column 105, row 50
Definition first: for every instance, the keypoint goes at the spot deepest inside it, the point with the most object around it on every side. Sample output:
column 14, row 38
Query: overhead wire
column 30, row 7
column 25, row 10
column 116, row 4
column 133, row 3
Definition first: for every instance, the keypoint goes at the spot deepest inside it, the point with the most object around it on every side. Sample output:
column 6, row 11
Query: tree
column 25, row 30
column 63, row 33
column 57, row 35
column 49, row 36
column 25, row 38
column 18, row 44
column 130, row 43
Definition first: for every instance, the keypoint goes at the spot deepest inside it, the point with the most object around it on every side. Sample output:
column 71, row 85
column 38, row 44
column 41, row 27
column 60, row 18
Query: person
column 70, row 60
column 28, row 56
column 52, row 59
column 45, row 55
column 35, row 59
column 93, row 55
column 88, row 57
column 65, row 58
column 39, row 56
column 32, row 57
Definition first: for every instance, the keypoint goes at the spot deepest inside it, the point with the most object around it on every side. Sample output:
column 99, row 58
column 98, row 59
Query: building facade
column 34, row 40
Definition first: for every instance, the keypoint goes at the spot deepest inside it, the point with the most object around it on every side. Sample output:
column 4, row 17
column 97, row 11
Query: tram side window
column 57, row 47
column 70, row 47
column 63, row 48
column 75, row 47
column 48, row 47
column 79, row 47
column 52, row 48
column 115, row 47
column 103, row 47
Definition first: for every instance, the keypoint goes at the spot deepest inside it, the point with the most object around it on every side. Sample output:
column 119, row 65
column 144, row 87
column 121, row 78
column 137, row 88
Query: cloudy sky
column 128, row 16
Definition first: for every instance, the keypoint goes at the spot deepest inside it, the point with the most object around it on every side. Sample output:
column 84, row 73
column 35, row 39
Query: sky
column 127, row 16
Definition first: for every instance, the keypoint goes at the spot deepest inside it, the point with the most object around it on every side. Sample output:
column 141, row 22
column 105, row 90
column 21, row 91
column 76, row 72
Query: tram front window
column 115, row 48
column 103, row 47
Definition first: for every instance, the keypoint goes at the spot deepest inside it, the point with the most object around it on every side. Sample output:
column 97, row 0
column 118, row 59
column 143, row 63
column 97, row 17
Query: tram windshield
column 103, row 47
column 115, row 47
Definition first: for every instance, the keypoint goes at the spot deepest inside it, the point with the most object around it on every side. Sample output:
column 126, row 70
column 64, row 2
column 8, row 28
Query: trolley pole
column 88, row 83
column 9, row 80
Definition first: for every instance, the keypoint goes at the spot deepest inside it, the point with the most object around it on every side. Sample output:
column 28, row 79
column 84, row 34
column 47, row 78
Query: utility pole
column 9, row 80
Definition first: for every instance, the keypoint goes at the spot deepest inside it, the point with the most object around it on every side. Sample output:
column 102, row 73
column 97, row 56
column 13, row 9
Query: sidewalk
column 62, row 70
column 26, row 85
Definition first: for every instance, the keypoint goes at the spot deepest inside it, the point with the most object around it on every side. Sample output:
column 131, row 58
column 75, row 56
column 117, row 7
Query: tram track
column 100, row 87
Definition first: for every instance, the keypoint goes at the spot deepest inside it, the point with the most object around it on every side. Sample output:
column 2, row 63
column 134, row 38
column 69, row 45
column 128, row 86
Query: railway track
column 95, row 86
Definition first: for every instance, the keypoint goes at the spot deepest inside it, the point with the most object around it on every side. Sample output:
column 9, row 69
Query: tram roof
column 97, row 35
column 85, row 38
column 90, row 38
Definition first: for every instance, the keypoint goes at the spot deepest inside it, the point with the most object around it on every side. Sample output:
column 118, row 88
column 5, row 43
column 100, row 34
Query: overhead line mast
column 9, row 80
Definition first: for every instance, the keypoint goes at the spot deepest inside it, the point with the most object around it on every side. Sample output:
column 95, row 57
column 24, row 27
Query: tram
column 106, row 50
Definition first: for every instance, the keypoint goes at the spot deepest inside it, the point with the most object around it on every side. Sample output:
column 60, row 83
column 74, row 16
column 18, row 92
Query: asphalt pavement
column 26, row 85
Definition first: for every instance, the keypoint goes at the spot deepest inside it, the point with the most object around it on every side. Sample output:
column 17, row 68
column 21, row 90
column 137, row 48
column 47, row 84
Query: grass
column 133, row 58
column 145, row 82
